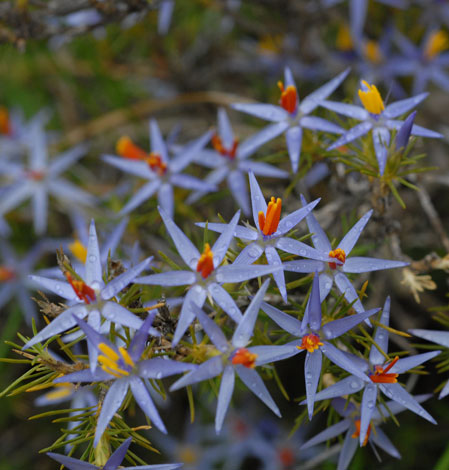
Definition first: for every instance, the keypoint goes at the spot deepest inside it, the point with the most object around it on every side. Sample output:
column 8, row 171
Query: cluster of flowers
column 107, row 308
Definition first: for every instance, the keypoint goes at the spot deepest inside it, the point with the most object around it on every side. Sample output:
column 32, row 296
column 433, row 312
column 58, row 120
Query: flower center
column 286, row 456
column 128, row 149
column 217, row 144
column 344, row 39
column 6, row 274
column 35, row 175
column 82, row 290
column 437, row 42
column 78, row 250
column 244, row 357
column 372, row 52
column 5, row 123
column 339, row 254
column 381, row 374
column 357, row 432
column 269, row 223
column 371, row 99
column 289, row 97
column 206, row 262
column 310, row 342
column 155, row 162
column 118, row 365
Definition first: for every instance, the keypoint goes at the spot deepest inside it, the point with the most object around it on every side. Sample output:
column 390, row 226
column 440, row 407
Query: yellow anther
column 344, row 39
column 78, row 250
column 126, row 357
column 60, row 392
column 310, row 342
column 371, row 99
column 437, row 42
column 109, row 352
column 372, row 52
column 109, row 365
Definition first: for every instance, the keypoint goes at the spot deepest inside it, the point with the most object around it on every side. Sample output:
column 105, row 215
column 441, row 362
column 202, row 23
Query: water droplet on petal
column 92, row 258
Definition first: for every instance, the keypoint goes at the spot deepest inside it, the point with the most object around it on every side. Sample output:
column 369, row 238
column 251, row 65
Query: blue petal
column 253, row 381
column 274, row 260
column 436, row 336
column 338, row 327
column 171, row 278
column 117, row 457
column 249, row 254
column 312, row 372
column 352, row 134
column 112, row 402
column 244, row 330
column 319, row 238
column 398, row 108
column 240, row 232
column 113, row 240
column 357, row 264
column 381, row 140
column 381, row 336
column 253, row 142
column 137, row 168
column 381, row 440
column 116, row 313
column 237, row 186
column 71, row 463
column 326, row 282
column 257, row 200
column 165, row 199
column 367, row 409
column 350, row 239
column 345, row 287
column 329, row 433
column 266, row 354
column 350, row 110
column 288, row 78
column 239, row 273
column 144, row 400
column 62, row 322
column 348, row 450
column 316, row 97
column 298, row 248
column 139, row 341
column 262, row 169
column 93, row 261
column 343, row 361
column 293, row 138
column 185, row 247
column 206, row 370
column 225, row 129
column 423, row 132
column 408, row 363
column 157, row 141
column 224, row 396
column 319, row 124
column 190, row 182
column 286, row 322
column 403, row 135
column 303, row 266
column 61, row 288
column 160, row 367
column 397, row 393
column 143, row 194
column 225, row 301
column 314, row 305
column 268, row 112
column 211, row 328
column 293, row 219
column 121, row 281
column 222, row 244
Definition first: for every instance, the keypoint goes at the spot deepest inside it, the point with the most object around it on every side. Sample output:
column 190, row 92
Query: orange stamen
column 217, row 144
column 382, row 376
column 289, row 97
column 5, row 123
column 82, row 290
column 127, row 149
column 245, row 358
column 337, row 254
column 155, row 162
column 357, row 432
column 310, row 342
column 6, row 274
column 206, row 262
column 286, row 457
column 269, row 223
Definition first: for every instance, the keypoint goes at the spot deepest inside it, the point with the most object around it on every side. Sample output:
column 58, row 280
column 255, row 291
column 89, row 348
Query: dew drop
column 370, row 404
column 308, row 375
column 354, row 385
column 92, row 258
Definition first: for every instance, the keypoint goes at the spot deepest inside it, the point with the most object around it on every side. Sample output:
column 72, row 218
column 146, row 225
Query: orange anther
column 217, row 144
column 269, row 223
column 6, row 274
column 82, row 290
column 289, row 97
column 310, row 342
column 244, row 357
column 155, row 162
column 337, row 254
column 5, row 123
column 381, row 374
column 128, row 149
column 206, row 262
column 356, row 433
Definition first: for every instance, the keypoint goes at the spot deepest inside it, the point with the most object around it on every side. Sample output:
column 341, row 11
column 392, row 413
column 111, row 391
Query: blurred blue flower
column 230, row 160
column 292, row 116
column 161, row 172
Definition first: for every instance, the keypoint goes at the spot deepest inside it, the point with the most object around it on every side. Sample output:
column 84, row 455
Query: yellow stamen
column 59, row 393
column 344, row 39
column 126, row 357
column 437, row 42
column 107, row 363
column 339, row 254
column 372, row 52
column 78, row 250
column 371, row 99
column 268, row 223
column 356, row 433
column 109, row 352
column 112, row 372
column 206, row 262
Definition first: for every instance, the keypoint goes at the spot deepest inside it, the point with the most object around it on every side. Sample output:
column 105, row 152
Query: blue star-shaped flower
column 292, row 116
